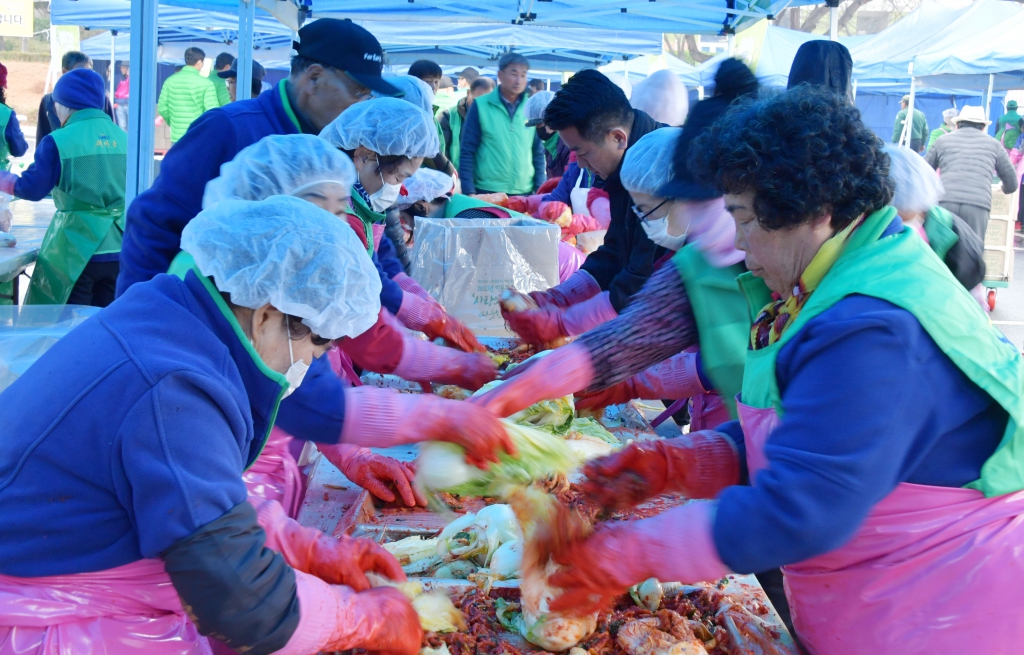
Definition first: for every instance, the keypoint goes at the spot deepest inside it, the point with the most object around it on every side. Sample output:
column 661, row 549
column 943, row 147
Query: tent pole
column 113, row 53
column 833, row 22
column 246, row 18
column 142, row 99
column 700, row 92
column 730, row 41
column 548, row 82
column 854, row 90
column 908, row 123
column 988, row 103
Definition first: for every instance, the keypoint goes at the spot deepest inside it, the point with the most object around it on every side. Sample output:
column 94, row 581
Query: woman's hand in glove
column 538, row 327
column 622, row 392
column 375, row 473
column 699, row 465
column 431, row 319
column 564, row 371
column 556, row 212
column 423, row 361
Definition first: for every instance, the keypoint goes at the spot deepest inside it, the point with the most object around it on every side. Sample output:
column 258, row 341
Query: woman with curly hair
column 877, row 455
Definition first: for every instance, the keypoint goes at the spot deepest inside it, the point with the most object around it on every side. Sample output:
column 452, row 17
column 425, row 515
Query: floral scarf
column 777, row 315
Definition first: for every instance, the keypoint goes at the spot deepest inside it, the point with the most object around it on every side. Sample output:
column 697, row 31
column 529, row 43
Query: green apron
column 455, row 147
column 903, row 270
column 723, row 323
column 182, row 264
column 938, row 225
column 367, row 216
column 5, row 149
column 90, row 204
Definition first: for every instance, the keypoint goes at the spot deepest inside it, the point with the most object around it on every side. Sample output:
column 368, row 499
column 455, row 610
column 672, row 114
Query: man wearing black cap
column 230, row 76
column 337, row 64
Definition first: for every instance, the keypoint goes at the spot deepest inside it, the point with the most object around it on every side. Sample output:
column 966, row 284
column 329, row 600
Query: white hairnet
column 290, row 253
column 918, row 187
column 536, row 105
column 949, row 114
column 663, row 97
column 647, row 165
column 386, row 126
column 414, row 90
column 281, row 164
column 425, row 184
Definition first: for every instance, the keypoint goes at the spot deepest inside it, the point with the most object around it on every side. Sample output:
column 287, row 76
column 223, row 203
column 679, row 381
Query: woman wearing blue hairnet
column 164, row 398
column 310, row 168
column 387, row 140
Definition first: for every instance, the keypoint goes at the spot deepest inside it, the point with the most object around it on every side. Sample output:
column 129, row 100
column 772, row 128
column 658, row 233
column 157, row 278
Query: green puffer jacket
column 185, row 97
column 223, row 97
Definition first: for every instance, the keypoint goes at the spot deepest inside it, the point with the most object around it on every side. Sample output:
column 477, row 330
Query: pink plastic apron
column 570, row 259
column 378, row 234
column 275, row 474
column 128, row 609
column 932, row 571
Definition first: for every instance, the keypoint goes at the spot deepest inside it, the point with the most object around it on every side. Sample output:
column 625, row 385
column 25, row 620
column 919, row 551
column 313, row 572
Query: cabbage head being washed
column 442, row 466
column 555, row 415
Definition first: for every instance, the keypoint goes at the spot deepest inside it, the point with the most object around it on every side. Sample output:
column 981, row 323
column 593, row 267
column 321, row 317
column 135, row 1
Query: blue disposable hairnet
column 918, row 187
column 647, row 165
column 386, row 126
column 291, row 254
column 425, row 184
column 536, row 105
column 414, row 90
column 663, row 97
column 281, row 164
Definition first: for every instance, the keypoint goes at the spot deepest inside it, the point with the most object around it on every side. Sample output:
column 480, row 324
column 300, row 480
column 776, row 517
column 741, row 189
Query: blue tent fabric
column 878, row 110
column 886, row 56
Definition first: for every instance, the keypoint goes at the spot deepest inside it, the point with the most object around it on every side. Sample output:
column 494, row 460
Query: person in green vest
column 947, row 125
column 877, row 455
column 83, row 163
column 499, row 154
column 221, row 64
column 918, row 129
column 1008, row 127
column 186, row 95
column 453, row 118
column 13, row 143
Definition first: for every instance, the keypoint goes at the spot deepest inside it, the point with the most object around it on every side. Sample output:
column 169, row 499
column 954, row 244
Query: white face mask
column 297, row 371
column 657, row 231
column 386, row 195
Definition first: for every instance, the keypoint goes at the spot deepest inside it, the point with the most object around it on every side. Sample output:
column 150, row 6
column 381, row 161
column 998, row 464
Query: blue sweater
column 870, row 401
column 129, row 434
column 156, row 217
column 562, row 192
column 43, row 173
column 16, row 143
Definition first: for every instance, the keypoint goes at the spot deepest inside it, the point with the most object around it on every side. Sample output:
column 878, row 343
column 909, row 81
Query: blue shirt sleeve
column 42, row 175
column 15, row 139
column 565, row 185
column 390, row 292
column 176, row 487
column 469, row 143
column 540, row 169
column 388, row 257
column 869, row 401
column 316, row 410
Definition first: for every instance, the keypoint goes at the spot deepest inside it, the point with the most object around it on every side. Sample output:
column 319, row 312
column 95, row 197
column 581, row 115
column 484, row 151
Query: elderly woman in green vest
column 877, row 455
column 83, row 164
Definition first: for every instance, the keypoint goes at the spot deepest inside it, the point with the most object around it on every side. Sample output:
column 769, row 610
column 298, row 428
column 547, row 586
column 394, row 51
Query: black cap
column 345, row 45
column 258, row 72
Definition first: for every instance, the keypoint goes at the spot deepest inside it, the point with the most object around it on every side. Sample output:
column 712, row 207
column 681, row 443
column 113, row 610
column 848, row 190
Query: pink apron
column 932, row 571
column 129, row 609
column 275, row 474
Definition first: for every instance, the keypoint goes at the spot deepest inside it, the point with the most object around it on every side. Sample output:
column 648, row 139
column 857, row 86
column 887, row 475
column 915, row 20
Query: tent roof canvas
column 886, row 56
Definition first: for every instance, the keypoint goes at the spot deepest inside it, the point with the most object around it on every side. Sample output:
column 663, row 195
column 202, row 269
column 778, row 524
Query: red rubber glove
column 555, row 212
column 375, row 473
column 383, row 418
column 431, row 319
column 676, row 545
column 519, row 204
column 423, row 361
column 332, row 618
column 558, row 374
column 342, row 560
column 622, row 392
column 7, row 181
column 699, row 465
column 579, row 224
column 538, row 326
column 579, row 287
column 676, row 377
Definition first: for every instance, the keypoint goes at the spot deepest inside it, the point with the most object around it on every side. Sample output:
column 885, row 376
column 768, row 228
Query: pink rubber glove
column 699, row 465
column 599, row 207
column 675, row 545
column 333, row 618
column 542, row 326
column 375, row 472
column 431, row 319
column 423, row 361
column 555, row 211
column 410, row 285
column 577, row 288
column 7, row 181
column 561, row 373
column 525, row 204
column 587, row 315
column 342, row 560
column 383, row 417
column 673, row 378
column 581, row 223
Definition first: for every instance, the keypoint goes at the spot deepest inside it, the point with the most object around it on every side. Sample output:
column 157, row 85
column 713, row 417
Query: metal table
column 30, row 222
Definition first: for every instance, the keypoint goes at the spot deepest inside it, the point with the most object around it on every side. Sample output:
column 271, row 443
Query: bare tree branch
column 694, row 51
column 813, row 18
column 850, row 12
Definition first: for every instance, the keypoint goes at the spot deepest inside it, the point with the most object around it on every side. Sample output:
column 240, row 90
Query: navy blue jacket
column 129, row 434
column 562, row 192
column 870, row 401
column 16, row 143
column 157, row 216
column 43, row 173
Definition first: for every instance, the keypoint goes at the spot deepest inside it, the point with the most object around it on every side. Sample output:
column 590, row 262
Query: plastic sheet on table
column 28, row 331
column 466, row 264
column 6, row 216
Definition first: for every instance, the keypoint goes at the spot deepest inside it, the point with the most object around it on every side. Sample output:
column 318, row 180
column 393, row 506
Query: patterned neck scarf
column 779, row 314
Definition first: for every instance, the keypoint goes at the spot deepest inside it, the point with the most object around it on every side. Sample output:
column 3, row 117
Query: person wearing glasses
column 337, row 64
